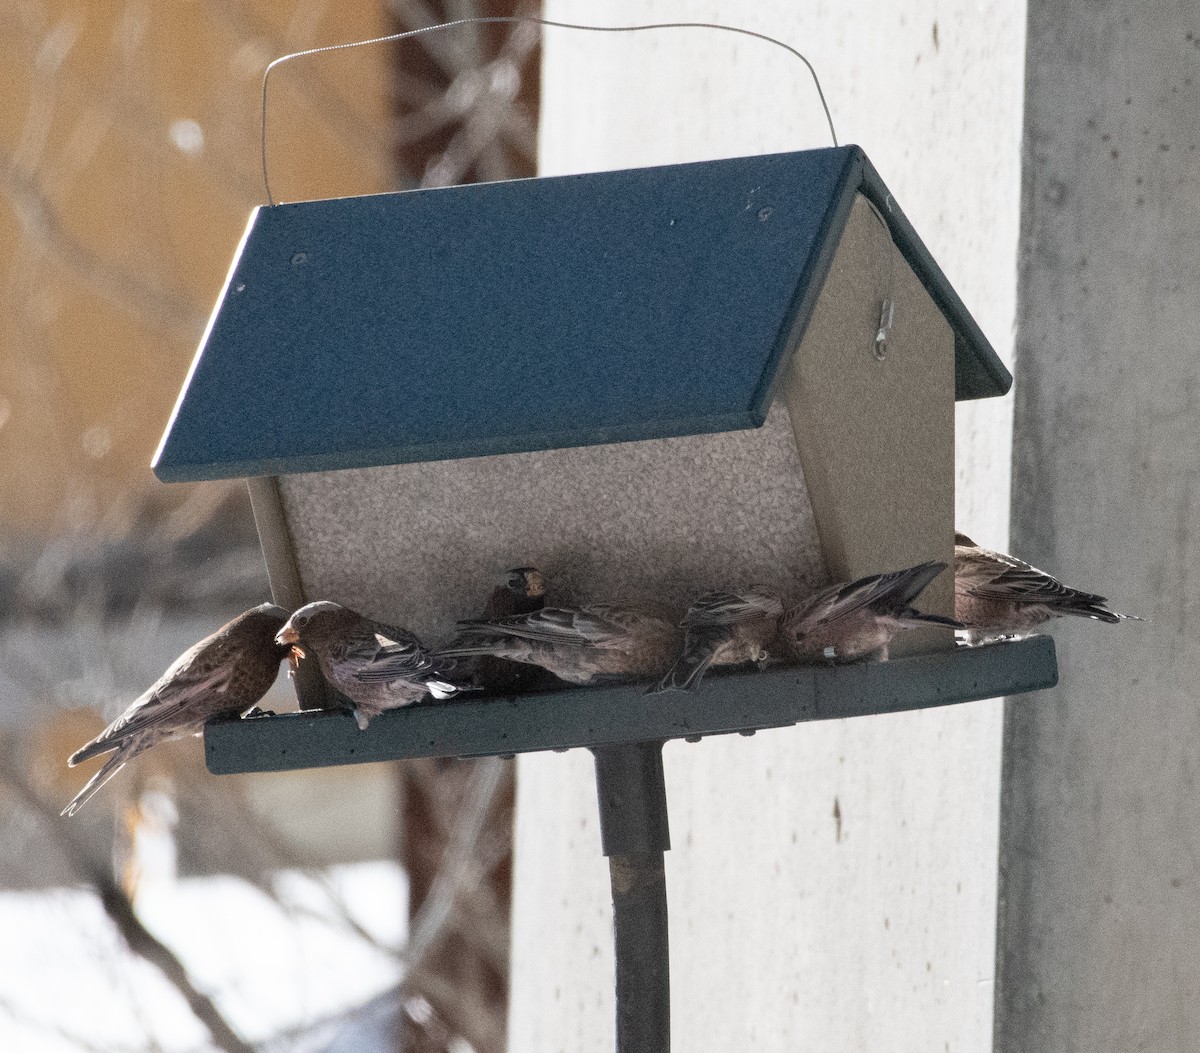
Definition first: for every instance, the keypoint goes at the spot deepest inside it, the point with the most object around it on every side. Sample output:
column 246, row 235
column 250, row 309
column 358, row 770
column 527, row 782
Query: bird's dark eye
column 301, row 620
column 516, row 582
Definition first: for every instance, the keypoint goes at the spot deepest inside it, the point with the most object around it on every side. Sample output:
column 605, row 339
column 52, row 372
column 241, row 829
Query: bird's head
column 309, row 620
column 264, row 616
column 526, row 582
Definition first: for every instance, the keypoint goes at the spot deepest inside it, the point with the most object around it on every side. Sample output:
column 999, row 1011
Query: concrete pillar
column 1100, row 865
column 832, row 887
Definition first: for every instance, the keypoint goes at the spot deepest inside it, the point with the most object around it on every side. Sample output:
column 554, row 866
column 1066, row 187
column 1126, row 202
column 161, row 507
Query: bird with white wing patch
column 375, row 666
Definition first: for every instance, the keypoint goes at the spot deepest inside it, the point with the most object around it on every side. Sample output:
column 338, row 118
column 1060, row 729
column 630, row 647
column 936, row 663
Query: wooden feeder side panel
column 876, row 435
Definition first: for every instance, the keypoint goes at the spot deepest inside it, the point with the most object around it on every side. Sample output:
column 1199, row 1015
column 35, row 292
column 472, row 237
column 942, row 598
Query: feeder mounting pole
column 634, row 835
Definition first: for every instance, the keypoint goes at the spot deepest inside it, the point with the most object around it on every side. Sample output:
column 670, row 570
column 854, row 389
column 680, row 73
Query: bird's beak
column 287, row 635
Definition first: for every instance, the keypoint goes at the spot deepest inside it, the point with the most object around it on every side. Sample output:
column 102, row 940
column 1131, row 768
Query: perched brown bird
column 724, row 628
column 523, row 592
column 599, row 643
column 855, row 620
column 225, row 673
column 375, row 666
column 997, row 595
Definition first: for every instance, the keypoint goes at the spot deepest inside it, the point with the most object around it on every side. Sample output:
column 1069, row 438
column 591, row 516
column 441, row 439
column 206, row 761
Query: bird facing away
column 225, row 673
column 599, row 643
column 859, row 619
column 722, row 629
column 997, row 595
column 522, row 592
column 375, row 666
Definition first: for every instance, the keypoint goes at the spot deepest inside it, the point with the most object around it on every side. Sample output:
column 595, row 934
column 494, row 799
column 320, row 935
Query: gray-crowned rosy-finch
column 225, row 673
column 523, row 591
column 597, row 643
column 375, row 666
column 998, row 595
column 855, row 620
column 722, row 629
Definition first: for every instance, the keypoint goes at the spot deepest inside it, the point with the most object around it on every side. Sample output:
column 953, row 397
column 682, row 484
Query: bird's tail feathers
column 110, row 768
column 442, row 689
column 97, row 746
column 912, row 581
column 1101, row 613
column 914, row 618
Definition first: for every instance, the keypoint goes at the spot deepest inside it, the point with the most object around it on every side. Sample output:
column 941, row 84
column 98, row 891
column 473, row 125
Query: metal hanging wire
column 514, row 19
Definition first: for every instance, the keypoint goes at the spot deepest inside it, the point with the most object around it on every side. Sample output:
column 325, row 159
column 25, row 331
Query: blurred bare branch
column 313, row 80
column 457, row 871
column 50, row 1027
column 458, row 881
column 163, row 307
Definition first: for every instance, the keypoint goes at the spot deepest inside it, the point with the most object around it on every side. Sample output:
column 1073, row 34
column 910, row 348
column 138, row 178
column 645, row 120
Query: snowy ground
column 272, row 965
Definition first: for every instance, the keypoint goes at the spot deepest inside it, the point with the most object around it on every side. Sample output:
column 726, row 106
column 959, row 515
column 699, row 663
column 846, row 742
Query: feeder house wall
column 876, row 435
column 422, row 544
column 663, row 519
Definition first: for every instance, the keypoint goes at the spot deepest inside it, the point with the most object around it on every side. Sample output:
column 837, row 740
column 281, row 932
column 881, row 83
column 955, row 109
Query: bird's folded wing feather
column 595, row 626
column 380, row 657
column 870, row 590
column 836, row 603
column 729, row 608
column 1024, row 584
column 192, row 676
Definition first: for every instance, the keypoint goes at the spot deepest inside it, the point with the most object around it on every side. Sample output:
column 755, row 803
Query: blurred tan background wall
column 129, row 137
column 129, row 163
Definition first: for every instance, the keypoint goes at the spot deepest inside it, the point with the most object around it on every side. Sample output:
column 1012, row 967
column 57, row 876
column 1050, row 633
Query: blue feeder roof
column 527, row 315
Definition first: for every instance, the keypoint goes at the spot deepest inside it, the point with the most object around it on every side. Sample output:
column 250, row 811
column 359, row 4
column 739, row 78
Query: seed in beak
column 294, row 656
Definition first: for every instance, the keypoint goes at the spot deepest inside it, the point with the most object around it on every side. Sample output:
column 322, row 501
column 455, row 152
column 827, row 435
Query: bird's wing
column 1030, row 585
column 840, row 600
column 197, row 673
column 731, row 608
column 594, row 626
column 387, row 654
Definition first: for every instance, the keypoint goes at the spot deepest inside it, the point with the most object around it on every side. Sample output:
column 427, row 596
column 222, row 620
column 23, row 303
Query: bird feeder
column 649, row 383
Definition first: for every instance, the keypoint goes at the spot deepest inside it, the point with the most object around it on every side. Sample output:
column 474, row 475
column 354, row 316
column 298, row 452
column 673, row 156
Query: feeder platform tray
column 744, row 702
